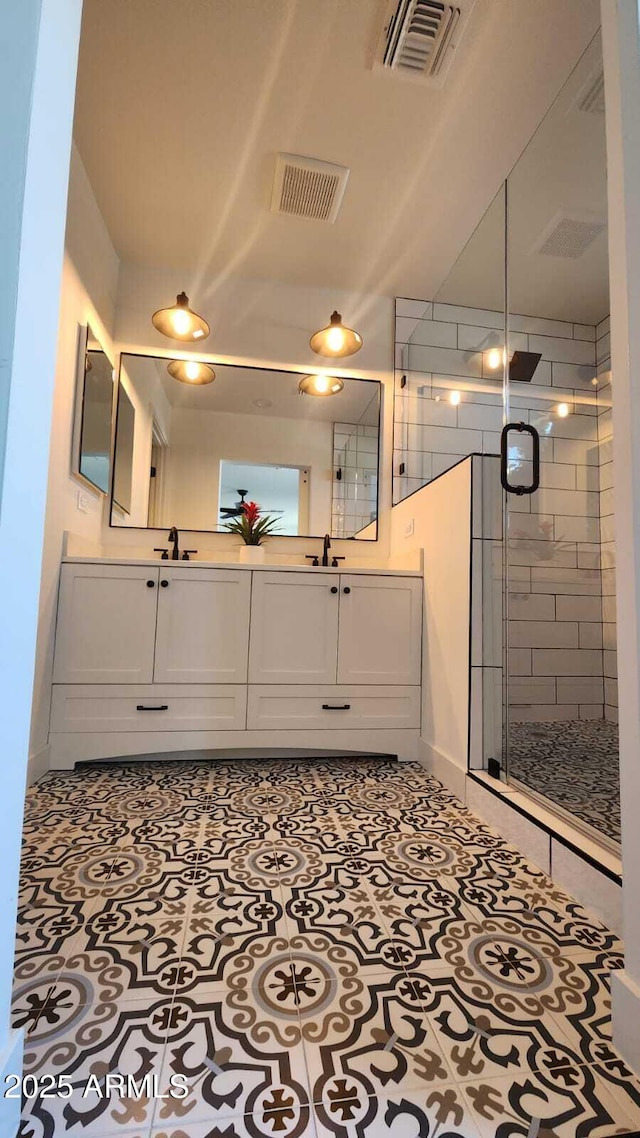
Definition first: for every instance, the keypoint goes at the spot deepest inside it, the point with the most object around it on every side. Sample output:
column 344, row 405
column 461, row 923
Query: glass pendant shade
column 336, row 339
column 190, row 371
column 320, row 385
column 180, row 322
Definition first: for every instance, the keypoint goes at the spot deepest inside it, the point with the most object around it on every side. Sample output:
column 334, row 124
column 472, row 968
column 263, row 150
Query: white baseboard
column 38, row 764
column 625, row 1010
column 443, row 768
column 10, row 1064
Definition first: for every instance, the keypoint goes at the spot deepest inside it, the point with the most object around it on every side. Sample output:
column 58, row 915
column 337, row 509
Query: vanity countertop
column 291, row 568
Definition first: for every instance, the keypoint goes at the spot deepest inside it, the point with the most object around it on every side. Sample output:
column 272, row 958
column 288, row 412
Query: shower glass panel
column 560, row 691
column 449, row 362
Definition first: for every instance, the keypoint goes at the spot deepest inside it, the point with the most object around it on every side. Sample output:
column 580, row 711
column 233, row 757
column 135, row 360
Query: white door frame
column 51, row 45
column 621, row 49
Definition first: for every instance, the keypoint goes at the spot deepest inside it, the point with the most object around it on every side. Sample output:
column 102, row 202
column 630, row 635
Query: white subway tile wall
column 448, row 404
column 355, row 478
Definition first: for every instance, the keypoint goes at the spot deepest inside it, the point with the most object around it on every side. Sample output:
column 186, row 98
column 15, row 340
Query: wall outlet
column 82, row 502
column 409, row 527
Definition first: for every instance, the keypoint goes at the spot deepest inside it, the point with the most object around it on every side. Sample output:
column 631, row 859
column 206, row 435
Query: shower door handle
column 522, row 428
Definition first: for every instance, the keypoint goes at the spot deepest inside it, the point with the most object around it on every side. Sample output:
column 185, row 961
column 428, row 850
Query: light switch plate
column 409, row 527
column 82, row 502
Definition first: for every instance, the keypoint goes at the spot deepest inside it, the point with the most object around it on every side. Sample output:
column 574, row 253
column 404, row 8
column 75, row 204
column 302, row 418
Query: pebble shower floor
column 314, row 948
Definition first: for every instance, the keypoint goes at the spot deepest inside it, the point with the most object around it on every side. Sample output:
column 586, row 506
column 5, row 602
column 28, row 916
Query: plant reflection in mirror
column 251, row 526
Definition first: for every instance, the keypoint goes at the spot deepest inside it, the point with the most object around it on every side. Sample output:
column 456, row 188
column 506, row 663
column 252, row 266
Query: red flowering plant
column 252, row 526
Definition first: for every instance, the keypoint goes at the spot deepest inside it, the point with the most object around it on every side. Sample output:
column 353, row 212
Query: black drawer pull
column 346, row 589
column 334, row 588
column 150, row 584
column 162, row 707
column 336, row 707
column 165, row 584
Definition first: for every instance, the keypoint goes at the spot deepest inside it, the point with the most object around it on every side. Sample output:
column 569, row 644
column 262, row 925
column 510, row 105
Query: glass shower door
column 560, row 736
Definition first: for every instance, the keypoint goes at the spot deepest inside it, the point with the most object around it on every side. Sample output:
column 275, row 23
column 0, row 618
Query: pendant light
column 180, row 322
column 336, row 339
column 320, row 385
column 190, row 371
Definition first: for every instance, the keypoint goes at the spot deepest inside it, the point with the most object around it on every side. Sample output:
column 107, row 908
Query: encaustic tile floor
column 286, row 948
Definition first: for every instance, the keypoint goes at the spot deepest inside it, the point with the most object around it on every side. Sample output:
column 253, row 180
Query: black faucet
column 325, row 549
column 174, row 537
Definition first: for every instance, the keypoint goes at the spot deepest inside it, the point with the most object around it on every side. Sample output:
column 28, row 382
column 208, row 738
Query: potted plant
column 253, row 528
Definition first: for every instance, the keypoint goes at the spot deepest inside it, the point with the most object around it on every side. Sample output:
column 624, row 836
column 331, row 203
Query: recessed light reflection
column 454, row 398
column 562, row 410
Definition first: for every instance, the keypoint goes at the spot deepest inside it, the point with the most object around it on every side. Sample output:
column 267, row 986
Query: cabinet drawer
column 107, row 707
column 331, row 707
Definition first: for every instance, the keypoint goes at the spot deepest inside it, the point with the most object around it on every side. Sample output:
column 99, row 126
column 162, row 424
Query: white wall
column 437, row 521
column 89, row 284
column 43, row 39
column 200, row 440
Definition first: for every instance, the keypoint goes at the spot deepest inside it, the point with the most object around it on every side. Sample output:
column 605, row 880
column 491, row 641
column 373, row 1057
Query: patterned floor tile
column 347, row 1112
column 331, row 947
column 96, row 1046
column 567, row 1102
column 575, row 764
column 236, row 1061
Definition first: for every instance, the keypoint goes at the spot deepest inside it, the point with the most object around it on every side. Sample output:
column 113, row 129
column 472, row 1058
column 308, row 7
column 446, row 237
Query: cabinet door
column 380, row 630
column 294, row 628
column 106, row 624
column 203, row 625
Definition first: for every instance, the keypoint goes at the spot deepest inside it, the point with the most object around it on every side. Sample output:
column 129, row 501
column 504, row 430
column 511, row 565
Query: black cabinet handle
column 346, row 589
column 336, row 707
column 165, row 584
column 334, row 588
column 162, row 707
column 522, row 428
column 151, row 584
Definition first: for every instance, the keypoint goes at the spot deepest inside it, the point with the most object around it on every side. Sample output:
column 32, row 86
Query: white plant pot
column 252, row 554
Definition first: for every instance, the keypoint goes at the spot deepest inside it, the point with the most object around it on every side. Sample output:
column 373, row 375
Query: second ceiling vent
column 420, row 37
column 305, row 187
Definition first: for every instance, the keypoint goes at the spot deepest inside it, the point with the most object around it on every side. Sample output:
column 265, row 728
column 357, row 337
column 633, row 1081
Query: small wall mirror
column 92, row 434
column 195, row 452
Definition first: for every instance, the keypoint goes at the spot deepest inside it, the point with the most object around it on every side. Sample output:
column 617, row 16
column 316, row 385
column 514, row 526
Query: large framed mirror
column 91, row 450
column 195, row 452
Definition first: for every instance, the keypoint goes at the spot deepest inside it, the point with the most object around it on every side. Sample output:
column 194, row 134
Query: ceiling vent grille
column 569, row 236
column 420, row 36
column 591, row 97
column 305, row 187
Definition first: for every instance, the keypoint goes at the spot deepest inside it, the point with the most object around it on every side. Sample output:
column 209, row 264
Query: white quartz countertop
column 157, row 562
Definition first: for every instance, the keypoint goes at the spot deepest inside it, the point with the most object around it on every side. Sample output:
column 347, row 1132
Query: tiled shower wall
column 355, row 478
column 557, row 665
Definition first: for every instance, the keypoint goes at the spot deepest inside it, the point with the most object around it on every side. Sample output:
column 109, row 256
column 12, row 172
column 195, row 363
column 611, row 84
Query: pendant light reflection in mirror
column 320, row 385
column 191, row 372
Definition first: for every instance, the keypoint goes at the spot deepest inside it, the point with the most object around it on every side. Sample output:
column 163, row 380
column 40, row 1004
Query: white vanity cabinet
column 380, row 639
column 202, row 634
column 335, row 628
column 106, row 624
column 294, row 628
column 128, row 624
column 174, row 657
